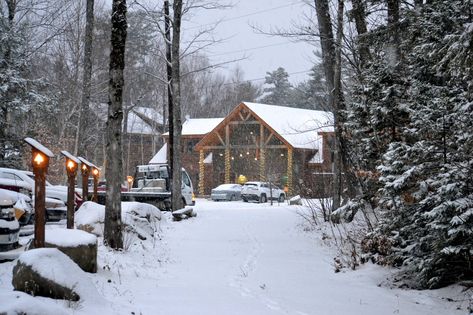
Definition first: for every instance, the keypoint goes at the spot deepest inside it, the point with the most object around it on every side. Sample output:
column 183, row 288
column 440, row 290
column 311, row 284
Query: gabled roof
column 161, row 156
column 198, row 126
column 296, row 127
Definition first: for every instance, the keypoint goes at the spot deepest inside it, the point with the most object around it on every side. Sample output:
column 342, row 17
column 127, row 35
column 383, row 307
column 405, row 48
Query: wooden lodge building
column 288, row 146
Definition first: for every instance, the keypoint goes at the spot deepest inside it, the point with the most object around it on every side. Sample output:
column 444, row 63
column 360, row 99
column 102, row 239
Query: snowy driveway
column 240, row 258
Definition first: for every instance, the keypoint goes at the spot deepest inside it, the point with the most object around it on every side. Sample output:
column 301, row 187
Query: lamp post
column 95, row 174
column 72, row 164
column 85, row 170
column 40, row 156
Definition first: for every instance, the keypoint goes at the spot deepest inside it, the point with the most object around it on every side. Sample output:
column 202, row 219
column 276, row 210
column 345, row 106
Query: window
column 10, row 176
column 185, row 179
column 190, row 145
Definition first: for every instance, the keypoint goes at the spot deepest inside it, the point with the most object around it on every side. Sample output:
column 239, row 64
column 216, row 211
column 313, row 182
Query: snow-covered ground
column 241, row 258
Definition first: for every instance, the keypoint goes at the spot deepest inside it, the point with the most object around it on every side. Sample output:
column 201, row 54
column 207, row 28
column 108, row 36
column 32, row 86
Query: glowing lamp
column 95, row 172
column 72, row 164
column 85, row 168
column 40, row 156
column 129, row 180
column 38, row 159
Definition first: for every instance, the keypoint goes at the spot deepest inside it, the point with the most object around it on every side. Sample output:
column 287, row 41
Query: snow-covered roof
column 161, row 156
column 38, row 146
column 299, row 127
column 198, row 126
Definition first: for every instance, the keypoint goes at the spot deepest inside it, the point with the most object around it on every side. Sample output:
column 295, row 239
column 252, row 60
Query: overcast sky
column 263, row 53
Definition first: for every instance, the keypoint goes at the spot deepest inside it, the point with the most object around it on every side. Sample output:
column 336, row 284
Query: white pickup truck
column 151, row 184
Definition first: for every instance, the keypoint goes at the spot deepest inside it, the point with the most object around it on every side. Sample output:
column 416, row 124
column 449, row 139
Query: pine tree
column 414, row 131
column 280, row 90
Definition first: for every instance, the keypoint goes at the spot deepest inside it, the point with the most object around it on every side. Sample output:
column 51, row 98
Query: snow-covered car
column 25, row 179
column 261, row 192
column 55, row 208
column 9, row 225
column 23, row 208
column 226, row 192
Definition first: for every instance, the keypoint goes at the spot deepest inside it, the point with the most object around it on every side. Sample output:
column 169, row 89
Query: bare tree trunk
column 394, row 39
column 113, row 224
column 338, row 106
column 329, row 61
column 81, row 132
column 176, row 197
column 167, row 40
column 359, row 15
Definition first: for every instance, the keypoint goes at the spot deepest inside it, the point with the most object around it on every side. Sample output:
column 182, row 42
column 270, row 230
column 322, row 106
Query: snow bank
column 16, row 302
column 69, row 238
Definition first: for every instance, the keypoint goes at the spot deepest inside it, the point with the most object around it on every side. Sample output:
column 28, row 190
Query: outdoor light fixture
column 38, row 159
column 241, row 155
column 95, row 175
column 129, row 180
column 282, row 154
column 85, row 168
column 221, row 154
column 72, row 164
column 247, row 152
column 233, row 158
column 40, row 156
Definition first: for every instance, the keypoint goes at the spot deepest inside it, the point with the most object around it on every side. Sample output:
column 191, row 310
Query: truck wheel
column 281, row 198
column 262, row 198
column 244, row 199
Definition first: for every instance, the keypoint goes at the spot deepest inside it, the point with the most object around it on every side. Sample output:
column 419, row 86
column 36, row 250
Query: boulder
column 296, row 200
column 79, row 245
column 49, row 272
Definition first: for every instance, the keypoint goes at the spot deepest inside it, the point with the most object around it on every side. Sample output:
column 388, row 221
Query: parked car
column 55, row 209
column 261, row 192
column 23, row 208
column 25, row 180
column 9, row 226
column 226, row 192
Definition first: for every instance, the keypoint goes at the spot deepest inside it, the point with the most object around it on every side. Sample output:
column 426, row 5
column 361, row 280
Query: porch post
column 262, row 157
column 262, row 164
column 289, row 171
column 227, row 154
column 201, row 172
column 227, row 166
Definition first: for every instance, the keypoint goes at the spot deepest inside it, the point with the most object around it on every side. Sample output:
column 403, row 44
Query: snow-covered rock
column 141, row 219
column 79, row 245
column 296, row 200
column 49, row 272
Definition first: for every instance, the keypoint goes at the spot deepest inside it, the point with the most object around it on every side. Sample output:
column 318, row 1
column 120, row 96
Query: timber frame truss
column 243, row 130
